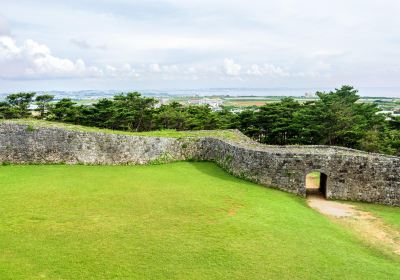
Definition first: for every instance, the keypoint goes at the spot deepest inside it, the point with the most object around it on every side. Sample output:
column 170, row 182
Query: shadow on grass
column 212, row 169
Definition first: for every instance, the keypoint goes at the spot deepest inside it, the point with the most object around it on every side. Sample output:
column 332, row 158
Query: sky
column 129, row 44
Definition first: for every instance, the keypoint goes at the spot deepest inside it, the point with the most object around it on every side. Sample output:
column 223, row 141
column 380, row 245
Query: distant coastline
column 370, row 92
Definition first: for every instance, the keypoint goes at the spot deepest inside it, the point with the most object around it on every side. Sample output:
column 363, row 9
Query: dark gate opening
column 316, row 183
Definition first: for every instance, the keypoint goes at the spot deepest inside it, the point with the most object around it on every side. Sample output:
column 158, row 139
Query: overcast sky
column 128, row 44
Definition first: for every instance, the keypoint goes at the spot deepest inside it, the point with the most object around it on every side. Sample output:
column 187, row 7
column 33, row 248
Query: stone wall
column 352, row 175
column 22, row 144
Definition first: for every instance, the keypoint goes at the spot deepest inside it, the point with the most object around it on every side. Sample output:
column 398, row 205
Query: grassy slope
column 391, row 215
column 229, row 134
column 175, row 221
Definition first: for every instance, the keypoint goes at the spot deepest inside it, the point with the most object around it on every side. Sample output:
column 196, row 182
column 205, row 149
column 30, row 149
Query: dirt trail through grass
column 370, row 228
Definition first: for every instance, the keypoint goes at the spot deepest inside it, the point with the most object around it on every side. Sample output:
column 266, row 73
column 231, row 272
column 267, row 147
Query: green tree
column 201, row 117
column 64, row 110
column 102, row 114
column 133, row 112
column 43, row 103
column 171, row 116
column 344, row 120
column 5, row 110
column 19, row 104
column 226, row 119
column 394, row 123
column 307, row 123
column 247, row 123
column 276, row 122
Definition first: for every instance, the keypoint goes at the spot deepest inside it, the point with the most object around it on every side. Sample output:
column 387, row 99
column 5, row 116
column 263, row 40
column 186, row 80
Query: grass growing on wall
column 175, row 221
column 227, row 134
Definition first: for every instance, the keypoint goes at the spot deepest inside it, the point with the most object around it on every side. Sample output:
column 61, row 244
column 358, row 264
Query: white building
column 213, row 103
column 309, row 95
column 161, row 101
column 390, row 114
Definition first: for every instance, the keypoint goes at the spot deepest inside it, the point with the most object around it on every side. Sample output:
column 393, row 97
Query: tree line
column 336, row 118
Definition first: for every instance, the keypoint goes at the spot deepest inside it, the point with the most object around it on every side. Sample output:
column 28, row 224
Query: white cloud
column 35, row 60
column 124, row 71
column 254, row 70
column 155, row 68
column 170, row 69
column 231, row 68
column 326, row 53
column 302, row 46
column 266, row 70
column 32, row 60
column 166, row 69
column 192, row 70
column 8, row 48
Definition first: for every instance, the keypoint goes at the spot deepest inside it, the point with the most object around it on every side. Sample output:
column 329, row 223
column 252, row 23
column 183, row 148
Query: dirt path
column 369, row 227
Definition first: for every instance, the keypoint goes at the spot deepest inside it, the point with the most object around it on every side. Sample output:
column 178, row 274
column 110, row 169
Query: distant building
column 236, row 110
column 215, row 104
column 309, row 95
column 391, row 113
column 33, row 107
column 161, row 101
column 394, row 113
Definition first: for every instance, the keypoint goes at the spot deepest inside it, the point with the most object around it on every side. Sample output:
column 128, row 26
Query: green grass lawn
column 175, row 221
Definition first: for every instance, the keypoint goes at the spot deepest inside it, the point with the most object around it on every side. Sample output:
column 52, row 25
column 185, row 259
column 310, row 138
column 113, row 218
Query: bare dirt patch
column 369, row 227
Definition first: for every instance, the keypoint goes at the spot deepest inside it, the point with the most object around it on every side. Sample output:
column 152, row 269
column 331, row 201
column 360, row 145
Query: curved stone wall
column 352, row 175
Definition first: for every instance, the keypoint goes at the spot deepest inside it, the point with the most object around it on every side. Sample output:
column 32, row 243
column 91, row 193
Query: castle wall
column 352, row 175
column 21, row 145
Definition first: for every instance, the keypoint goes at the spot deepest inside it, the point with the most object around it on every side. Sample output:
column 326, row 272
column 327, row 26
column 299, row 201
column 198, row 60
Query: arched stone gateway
column 316, row 183
column 351, row 174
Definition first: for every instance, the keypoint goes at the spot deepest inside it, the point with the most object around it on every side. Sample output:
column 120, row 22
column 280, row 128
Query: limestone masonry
column 351, row 174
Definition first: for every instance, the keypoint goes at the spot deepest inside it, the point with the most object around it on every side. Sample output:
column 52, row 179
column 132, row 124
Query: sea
column 379, row 92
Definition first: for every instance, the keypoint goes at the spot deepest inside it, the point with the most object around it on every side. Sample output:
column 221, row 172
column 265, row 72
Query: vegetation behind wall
column 336, row 118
